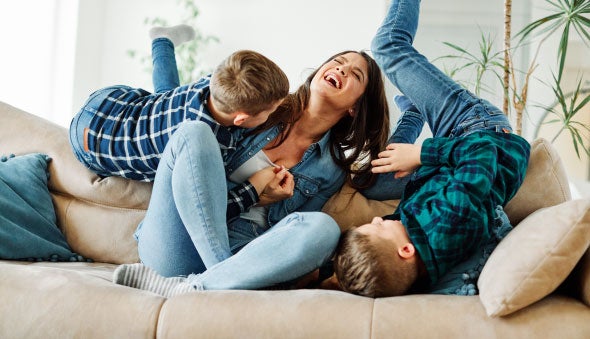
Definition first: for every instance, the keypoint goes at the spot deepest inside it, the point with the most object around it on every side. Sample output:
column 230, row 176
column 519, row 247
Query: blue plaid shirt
column 131, row 128
column 449, row 205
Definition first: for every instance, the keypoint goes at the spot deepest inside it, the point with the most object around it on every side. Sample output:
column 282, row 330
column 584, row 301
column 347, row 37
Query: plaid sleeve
column 240, row 199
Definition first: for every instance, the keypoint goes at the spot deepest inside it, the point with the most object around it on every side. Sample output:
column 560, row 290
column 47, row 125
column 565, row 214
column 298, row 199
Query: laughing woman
column 268, row 230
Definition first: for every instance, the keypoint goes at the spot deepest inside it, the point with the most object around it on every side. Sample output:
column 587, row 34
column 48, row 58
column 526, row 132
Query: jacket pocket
column 305, row 189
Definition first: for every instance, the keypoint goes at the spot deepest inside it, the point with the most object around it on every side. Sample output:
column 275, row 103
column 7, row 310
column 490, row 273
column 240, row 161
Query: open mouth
column 333, row 80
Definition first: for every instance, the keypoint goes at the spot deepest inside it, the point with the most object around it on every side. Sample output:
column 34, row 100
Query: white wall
column 70, row 48
column 61, row 51
column 37, row 38
column 298, row 35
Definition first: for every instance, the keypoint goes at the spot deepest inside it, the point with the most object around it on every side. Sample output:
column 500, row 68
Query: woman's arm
column 407, row 130
column 265, row 187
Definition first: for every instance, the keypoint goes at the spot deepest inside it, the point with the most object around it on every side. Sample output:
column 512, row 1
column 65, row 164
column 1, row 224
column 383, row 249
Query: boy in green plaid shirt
column 472, row 164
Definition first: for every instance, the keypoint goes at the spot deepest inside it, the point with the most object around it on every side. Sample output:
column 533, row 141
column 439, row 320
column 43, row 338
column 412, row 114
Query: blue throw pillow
column 28, row 229
column 462, row 279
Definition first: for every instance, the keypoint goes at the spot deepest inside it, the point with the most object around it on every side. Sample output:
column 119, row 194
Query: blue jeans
column 165, row 72
column 185, row 230
column 449, row 109
column 81, row 121
column 298, row 244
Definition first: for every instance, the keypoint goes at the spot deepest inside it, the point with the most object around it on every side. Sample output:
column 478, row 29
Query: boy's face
column 260, row 118
column 388, row 230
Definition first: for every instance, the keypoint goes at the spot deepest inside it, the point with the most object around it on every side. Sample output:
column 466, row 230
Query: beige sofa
column 98, row 217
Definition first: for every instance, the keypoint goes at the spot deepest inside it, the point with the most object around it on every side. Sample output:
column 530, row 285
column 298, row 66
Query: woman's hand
column 273, row 184
column 400, row 158
column 261, row 178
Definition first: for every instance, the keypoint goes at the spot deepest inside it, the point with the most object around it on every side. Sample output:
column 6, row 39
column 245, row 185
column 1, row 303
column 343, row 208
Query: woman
column 338, row 116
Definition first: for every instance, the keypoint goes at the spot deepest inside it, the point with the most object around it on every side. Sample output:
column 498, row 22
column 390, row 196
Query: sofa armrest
column 578, row 282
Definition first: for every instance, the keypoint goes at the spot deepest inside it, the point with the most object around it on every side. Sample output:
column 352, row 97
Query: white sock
column 144, row 278
column 177, row 34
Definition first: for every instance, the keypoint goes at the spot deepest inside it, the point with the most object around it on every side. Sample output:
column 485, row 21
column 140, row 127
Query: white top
column 259, row 161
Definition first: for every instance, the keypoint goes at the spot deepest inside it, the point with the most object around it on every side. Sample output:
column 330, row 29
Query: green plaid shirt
column 449, row 204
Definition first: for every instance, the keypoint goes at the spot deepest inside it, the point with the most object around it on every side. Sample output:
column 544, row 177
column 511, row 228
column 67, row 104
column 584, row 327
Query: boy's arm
column 240, row 199
column 265, row 187
column 407, row 130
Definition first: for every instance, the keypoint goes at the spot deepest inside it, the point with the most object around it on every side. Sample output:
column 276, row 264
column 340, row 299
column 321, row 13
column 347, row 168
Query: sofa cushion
column 98, row 216
column 545, row 183
column 535, row 258
column 350, row 208
column 28, row 227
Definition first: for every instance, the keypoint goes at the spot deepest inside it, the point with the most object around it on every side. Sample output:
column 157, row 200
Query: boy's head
column 376, row 259
column 248, row 86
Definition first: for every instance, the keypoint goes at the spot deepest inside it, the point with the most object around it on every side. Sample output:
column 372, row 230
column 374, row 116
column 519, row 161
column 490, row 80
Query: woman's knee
column 196, row 133
column 194, row 129
column 320, row 229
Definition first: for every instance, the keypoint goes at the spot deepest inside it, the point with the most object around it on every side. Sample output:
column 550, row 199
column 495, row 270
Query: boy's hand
column 400, row 158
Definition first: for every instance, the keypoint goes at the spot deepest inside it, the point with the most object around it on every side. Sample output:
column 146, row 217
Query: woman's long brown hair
column 354, row 141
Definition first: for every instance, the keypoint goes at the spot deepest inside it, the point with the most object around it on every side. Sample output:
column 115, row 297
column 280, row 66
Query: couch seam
column 66, row 217
column 372, row 319
column 553, row 170
column 98, row 203
column 159, row 316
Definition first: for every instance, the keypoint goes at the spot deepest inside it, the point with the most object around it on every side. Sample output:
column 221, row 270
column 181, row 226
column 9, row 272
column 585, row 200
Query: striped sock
column 144, row 278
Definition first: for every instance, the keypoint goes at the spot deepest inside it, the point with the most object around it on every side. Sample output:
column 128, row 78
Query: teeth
column 332, row 79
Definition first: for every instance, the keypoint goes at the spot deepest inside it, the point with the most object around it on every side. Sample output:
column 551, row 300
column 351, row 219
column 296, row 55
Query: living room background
column 58, row 51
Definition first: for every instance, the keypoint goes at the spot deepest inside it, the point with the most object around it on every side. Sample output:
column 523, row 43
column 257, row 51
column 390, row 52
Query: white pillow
column 535, row 257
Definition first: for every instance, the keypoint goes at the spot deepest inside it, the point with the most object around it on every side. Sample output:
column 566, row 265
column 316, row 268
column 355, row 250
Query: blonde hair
column 370, row 266
column 248, row 81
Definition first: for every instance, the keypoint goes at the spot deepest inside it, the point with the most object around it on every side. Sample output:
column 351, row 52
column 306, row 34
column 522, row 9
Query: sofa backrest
column 97, row 215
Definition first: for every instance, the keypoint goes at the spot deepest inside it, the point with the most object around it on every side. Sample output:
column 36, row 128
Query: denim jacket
column 316, row 176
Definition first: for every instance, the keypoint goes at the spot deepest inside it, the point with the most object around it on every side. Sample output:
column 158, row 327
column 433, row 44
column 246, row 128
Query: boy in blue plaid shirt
column 122, row 131
column 458, row 178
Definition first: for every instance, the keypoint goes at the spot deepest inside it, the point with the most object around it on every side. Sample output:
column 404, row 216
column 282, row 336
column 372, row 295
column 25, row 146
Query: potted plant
column 565, row 17
column 190, row 66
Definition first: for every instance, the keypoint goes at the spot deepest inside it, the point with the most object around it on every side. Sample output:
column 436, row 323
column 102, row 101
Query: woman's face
column 342, row 80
